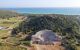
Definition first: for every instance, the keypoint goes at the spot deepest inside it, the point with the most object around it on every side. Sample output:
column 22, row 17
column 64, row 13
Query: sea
column 65, row 11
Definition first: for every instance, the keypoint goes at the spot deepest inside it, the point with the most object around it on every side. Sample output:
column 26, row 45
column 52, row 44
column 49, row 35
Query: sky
column 39, row 3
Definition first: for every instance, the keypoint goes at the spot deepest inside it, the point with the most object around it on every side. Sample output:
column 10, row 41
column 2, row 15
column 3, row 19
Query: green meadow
column 8, row 24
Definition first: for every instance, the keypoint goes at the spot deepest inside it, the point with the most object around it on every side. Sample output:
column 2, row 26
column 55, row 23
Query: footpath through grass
column 9, row 24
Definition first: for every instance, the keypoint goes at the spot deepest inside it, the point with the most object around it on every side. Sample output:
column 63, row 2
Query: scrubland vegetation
column 19, row 31
column 8, row 21
column 10, row 47
column 67, row 26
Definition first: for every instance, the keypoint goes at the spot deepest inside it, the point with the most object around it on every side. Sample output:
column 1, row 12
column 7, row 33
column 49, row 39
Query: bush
column 25, row 43
column 0, row 44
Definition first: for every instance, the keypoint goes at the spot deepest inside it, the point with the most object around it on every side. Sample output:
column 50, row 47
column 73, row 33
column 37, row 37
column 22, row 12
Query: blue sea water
column 66, row 11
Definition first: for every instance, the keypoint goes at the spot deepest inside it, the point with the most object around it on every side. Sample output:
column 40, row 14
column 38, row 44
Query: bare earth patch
column 48, row 47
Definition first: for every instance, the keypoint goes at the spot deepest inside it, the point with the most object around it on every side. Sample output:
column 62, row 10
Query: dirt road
column 48, row 47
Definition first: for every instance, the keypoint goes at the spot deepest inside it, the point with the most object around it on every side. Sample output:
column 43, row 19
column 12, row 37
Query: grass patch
column 3, row 33
column 26, row 43
column 10, row 24
column 11, row 47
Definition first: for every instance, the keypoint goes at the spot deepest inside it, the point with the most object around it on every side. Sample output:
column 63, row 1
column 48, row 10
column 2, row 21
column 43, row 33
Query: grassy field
column 9, row 23
column 10, row 47
column 3, row 33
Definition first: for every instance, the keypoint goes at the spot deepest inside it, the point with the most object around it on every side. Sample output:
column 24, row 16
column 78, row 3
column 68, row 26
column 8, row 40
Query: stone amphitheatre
column 46, row 40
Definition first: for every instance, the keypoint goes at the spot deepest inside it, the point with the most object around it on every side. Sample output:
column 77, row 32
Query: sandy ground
column 48, row 47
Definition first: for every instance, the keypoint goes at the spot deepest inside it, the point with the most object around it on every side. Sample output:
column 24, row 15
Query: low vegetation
column 8, row 21
column 67, row 26
column 18, row 31
column 10, row 47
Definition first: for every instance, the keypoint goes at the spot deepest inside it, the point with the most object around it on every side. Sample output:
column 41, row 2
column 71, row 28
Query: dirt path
column 48, row 47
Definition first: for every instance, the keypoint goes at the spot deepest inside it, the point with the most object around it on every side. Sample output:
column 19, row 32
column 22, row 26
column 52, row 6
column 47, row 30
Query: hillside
column 7, row 13
column 56, row 23
column 8, row 21
column 67, row 26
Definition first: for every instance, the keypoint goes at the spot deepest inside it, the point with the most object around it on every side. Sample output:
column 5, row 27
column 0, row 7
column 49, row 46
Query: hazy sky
column 39, row 3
